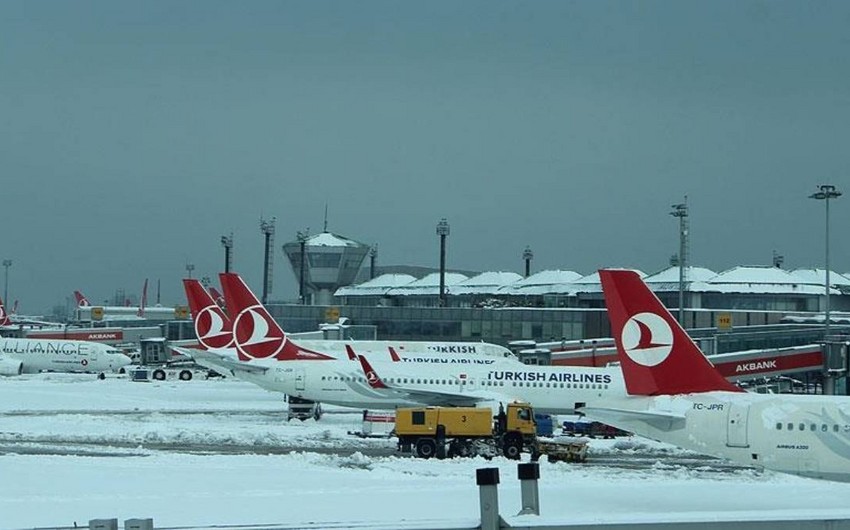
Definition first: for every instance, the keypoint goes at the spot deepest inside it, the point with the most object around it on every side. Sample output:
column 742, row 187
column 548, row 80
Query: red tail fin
column 350, row 351
column 255, row 332
column 218, row 297
column 82, row 301
column 212, row 327
column 4, row 317
column 371, row 375
column 394, row 356
column 656, row 354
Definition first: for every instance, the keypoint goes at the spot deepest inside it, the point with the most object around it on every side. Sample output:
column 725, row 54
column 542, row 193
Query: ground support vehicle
column 168, row 373
column 572, row 451
column 466, row 431
column 303, row 409
column 376, row 424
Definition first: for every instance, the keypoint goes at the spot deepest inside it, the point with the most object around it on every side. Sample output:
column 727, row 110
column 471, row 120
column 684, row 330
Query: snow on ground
column 154, row 429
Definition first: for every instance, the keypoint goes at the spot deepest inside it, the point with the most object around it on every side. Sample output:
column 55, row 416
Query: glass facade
column 499, row 326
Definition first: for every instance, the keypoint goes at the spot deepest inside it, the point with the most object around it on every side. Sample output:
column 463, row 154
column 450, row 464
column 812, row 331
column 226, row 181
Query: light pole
column 267, row 228
column 6, row 263
column 527, row 255
column 443, row 231
column 189, row 268
column 681, row 211
column 227, row 242
column 302, row 242
column 373, row 257
column 827, row 191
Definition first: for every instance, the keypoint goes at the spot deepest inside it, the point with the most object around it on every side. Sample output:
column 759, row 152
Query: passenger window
column 835, row 428
column 802, row 426
column 778, row 426
column 790, row 426
column 824, row 428
column 813, row 427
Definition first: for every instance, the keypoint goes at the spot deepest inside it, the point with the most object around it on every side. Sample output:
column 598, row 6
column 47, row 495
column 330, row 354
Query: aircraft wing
column 665, row 421
column 443, row 399
column 221, row 362
column 428, row 397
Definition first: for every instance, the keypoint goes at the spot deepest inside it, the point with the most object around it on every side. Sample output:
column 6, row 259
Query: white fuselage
column 798, row 434
column 380, row 348
column 556, row 390
column 37, row 355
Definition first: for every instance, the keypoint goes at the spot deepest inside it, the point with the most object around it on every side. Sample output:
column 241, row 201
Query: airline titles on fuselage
column 31, row 347
column 446, row 360
column 550, row 377
column 452, row 349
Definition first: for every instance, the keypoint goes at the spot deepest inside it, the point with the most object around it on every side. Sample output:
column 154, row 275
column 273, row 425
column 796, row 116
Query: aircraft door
column 736, row 425
column 300, row 379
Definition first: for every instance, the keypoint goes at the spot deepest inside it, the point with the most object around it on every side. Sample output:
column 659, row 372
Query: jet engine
column 11, row 367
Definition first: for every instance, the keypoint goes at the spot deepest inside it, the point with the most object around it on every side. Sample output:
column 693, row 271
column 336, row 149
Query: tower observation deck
column 331, row 261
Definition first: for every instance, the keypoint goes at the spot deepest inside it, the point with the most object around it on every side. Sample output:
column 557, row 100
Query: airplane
column 268, row 358
column 11, row 322
column 675, row 395
column 84, row 310
column 18, row 356
column 213, row 321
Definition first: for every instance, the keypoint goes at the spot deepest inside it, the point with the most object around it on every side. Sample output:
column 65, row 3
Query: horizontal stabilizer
column 621, row 418
column 221, row 361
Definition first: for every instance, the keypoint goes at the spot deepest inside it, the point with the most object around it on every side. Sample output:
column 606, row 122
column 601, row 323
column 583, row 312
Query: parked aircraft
column 268, row 358
column 255, row 319
column 19, row 356
column 675, row 395
column 85, row 309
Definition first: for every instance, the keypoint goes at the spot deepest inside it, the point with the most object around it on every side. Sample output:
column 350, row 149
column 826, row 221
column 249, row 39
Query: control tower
column 330, row 262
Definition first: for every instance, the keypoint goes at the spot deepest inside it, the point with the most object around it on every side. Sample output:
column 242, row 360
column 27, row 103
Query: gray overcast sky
column 134, row 134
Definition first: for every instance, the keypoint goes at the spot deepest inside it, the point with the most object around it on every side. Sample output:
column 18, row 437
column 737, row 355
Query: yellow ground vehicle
column 466, row 431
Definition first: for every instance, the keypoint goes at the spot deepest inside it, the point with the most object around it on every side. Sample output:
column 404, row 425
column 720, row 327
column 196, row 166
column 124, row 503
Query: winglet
column 350, row 351
column 656, row 354
column 372, row 376
column 394, row 356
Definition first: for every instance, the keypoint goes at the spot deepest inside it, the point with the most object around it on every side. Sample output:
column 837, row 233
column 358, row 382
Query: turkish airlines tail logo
column 212, row 327
column 656, row 354
column 82, row 301
column 371, row 375
column 4, row 317
column 256, row 334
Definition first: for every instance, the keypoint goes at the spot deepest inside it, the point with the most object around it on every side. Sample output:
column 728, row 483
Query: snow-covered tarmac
column 73, row 448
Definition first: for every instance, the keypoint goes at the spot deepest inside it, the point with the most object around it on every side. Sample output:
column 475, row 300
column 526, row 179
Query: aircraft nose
column 122, row 360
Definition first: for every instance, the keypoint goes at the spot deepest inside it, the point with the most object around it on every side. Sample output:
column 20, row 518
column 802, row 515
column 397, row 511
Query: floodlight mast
column 681, row 211
column 827, row 192
column 527, row 255
column 227, row 243
column 6, row 263
column 267, row 228
column 443, row 231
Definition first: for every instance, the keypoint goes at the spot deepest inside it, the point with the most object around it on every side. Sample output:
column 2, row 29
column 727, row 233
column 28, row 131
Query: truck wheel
column 159, row 375
column 512, row 447
column 425, row 448
column 441, row 441
column 185, row 375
